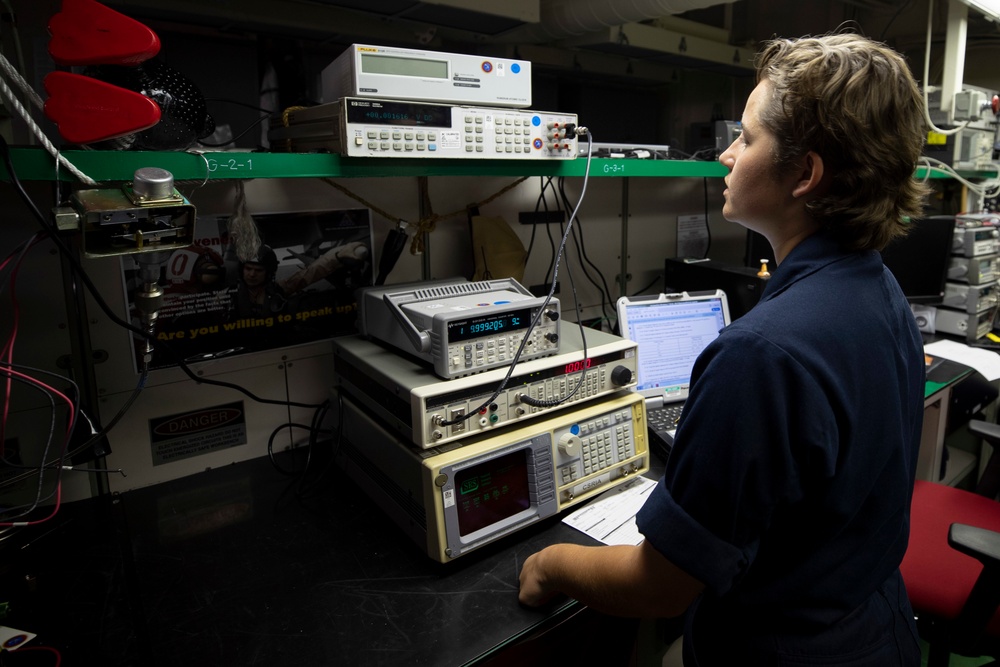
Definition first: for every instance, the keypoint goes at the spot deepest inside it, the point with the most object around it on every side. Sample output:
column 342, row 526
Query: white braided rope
column 10, row 72
column 11, row 99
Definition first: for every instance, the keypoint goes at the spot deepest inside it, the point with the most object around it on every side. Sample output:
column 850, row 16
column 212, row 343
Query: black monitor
column 741, row 284
column 919, row 260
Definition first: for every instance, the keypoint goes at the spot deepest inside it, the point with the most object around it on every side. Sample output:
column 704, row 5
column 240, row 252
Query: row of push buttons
column 473, row 134
column 488, row 351
column 513, row 121
column 560, row 388
column 544, row 490
column 401, row 141
column 514, row 136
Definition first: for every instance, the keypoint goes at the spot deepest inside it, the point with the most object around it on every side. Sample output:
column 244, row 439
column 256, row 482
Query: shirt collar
column 810, row 255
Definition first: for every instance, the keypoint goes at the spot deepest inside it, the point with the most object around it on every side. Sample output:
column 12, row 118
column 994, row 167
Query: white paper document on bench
column 611, row 517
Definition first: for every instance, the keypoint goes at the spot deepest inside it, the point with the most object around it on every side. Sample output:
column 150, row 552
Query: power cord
column 580, row 132
column 581, row 250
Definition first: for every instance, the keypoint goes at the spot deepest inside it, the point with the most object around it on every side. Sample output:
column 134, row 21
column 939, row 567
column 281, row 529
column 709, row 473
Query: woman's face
column 756, row 192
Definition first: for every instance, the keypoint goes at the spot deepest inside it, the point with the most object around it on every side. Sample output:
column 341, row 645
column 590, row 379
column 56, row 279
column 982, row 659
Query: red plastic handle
column 87, row 110
column 86, row 32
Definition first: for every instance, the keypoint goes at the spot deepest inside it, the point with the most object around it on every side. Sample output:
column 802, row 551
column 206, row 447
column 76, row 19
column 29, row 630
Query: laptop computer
column 670, row 331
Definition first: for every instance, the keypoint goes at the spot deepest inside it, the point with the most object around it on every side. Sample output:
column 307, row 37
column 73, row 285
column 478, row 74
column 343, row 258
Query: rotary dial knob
column 570, row 445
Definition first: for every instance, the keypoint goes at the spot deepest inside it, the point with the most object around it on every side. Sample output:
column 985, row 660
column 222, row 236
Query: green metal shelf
column 36, row 164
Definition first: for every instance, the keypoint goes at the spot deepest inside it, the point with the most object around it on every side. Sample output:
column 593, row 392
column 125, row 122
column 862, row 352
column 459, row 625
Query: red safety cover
column 88, row 33
column 88, row 110
column 938, row 578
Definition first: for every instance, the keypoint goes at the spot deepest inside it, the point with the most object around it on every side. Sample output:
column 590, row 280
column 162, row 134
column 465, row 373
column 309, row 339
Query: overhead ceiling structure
column 641, row 30
column 483, row 18
column 632, row 38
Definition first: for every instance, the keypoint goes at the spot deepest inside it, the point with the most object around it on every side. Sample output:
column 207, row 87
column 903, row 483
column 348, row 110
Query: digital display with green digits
column 489, row 325
column 492, row 491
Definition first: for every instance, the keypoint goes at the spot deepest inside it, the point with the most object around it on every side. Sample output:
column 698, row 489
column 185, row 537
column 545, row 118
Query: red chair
column 952, row 564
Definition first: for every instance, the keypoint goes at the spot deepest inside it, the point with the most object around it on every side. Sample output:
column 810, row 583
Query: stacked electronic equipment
column 405, row 103
column 971, row 292
column 459, row 447
column 972, row 117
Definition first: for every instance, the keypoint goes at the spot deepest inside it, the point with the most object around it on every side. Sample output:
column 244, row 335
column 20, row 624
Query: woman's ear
column 811, row 175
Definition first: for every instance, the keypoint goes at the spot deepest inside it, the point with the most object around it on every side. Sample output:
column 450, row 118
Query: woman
column 779, row 528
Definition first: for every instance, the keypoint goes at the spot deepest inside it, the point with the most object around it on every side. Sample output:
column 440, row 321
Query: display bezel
column 537, row 467
column 402, row 114
column 492, row 324
column 396, row 66
column 491, row 491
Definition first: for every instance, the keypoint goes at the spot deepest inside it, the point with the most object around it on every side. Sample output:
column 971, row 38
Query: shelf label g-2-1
column 231, row 164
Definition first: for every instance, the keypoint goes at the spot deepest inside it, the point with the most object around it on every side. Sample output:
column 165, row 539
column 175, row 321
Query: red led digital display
column 577, row 366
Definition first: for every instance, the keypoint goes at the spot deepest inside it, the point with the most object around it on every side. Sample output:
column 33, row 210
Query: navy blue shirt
column 787, row 490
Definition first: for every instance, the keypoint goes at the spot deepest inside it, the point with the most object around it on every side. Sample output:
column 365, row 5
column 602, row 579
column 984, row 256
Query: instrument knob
column 621, row 376
column 570, row 445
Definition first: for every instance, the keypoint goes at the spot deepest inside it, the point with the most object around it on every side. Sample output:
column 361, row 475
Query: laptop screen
column 670, row 331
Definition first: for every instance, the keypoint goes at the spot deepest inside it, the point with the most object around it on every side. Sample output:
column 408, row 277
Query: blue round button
column 515, row 68
column 536, row 121
column 575, row 429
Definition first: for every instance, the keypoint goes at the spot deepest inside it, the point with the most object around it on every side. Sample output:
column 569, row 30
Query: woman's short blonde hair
column 854, row 102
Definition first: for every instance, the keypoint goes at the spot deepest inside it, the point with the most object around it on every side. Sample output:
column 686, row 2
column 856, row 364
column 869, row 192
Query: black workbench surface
column 243, row 565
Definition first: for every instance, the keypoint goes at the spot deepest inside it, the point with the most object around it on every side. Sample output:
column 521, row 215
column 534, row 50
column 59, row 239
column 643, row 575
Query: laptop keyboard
column 662, row 423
